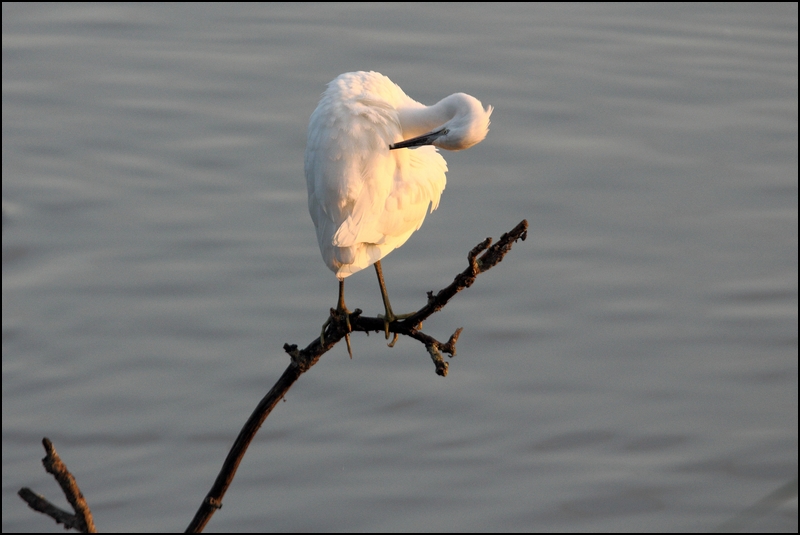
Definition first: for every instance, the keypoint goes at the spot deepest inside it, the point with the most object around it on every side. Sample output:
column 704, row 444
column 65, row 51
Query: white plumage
column 366, row 199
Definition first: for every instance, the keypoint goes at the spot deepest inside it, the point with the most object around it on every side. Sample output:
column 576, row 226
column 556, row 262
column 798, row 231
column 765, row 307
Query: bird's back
column 366, row 200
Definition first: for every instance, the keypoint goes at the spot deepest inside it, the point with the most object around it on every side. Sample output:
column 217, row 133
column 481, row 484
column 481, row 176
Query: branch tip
column 438, row 361
column 450, row 346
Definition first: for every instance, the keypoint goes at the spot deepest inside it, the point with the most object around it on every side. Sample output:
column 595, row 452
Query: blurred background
column 632, row 366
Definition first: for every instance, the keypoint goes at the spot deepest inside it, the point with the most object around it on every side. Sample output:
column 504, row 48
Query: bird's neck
column 423, row 119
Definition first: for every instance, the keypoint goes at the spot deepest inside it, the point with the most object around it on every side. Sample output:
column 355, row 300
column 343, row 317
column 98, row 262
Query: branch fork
column 337, row 328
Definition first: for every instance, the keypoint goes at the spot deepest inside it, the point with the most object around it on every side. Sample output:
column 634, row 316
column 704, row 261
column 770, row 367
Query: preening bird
column 367, row 193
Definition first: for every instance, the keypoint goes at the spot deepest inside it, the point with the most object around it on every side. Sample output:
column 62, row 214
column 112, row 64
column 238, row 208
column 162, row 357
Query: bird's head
column 467, row 126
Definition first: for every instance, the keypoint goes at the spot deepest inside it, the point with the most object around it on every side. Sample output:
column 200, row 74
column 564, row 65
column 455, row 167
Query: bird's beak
column 419, row 141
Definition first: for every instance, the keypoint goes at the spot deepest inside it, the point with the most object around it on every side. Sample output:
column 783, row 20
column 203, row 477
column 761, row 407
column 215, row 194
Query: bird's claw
column 387, row 319
column 349, row 349
column 391, row 318
column 394, row 340
column 337, row 315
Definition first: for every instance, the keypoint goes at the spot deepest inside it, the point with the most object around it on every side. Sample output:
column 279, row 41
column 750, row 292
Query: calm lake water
column 631, row 366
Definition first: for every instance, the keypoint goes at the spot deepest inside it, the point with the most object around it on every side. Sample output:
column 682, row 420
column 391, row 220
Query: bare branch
column 337, row 328
column 82, row 520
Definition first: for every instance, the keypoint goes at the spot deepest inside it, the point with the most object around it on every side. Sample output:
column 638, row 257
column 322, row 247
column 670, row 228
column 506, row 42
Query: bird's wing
column 354, row 170
column 419, row 181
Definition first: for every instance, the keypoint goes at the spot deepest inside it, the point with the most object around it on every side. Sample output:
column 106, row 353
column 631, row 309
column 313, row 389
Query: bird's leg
column 390, row 316
column 341, row 310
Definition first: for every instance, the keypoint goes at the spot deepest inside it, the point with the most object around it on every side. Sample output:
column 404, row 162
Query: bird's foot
column 338, row 315
column 389, row 318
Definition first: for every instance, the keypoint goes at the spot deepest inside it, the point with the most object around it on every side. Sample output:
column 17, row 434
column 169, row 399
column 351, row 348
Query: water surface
column 631, row 366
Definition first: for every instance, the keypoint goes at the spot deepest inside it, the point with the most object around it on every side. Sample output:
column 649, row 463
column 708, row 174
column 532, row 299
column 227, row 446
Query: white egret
column 365, row 197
